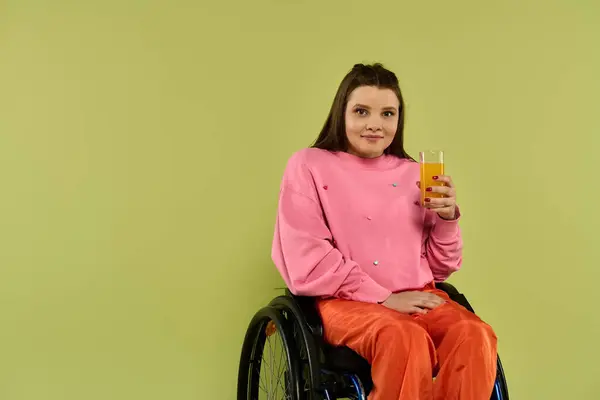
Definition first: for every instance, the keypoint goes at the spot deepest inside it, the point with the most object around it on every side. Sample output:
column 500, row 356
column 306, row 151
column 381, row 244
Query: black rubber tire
column 252, row 350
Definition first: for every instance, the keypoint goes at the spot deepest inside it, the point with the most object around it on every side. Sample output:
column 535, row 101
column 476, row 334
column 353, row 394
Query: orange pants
column 406, row 351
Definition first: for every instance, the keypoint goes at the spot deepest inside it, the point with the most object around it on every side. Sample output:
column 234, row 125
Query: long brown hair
column 333, row 135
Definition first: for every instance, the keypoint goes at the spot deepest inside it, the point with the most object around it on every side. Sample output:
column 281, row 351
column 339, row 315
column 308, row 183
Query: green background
column 142, row 144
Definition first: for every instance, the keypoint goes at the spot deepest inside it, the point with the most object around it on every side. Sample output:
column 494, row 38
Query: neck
column 366, row 156
column 383, row 161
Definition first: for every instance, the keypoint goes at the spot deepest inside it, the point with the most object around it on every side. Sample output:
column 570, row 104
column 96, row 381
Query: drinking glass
column 432, row 164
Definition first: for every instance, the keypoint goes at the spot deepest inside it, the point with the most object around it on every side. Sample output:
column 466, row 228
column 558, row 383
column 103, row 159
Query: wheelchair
column 284, row 356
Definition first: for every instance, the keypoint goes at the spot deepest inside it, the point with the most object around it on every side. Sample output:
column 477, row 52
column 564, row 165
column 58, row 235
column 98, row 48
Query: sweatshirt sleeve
column 302, row 246
column 443, row 247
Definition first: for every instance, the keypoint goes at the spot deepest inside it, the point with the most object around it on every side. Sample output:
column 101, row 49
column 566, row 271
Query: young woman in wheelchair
column 352, row 232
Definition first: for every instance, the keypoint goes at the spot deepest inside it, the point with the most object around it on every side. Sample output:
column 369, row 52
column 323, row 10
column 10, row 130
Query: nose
column 374, row 123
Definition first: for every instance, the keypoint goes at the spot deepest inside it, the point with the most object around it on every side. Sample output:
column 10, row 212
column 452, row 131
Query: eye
column 389, row 113
column 361, row 111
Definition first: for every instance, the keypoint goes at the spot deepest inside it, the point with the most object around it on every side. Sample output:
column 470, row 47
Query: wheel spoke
column 270, row 395
column 280, row 373
column 268, row 374
column 281, row 363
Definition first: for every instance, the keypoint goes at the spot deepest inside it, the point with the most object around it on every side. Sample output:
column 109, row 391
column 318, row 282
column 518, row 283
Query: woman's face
column 371, row 120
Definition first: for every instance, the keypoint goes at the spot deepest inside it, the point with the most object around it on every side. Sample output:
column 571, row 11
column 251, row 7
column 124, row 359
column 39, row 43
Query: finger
column 417, row 310
column 433, row 297
column 441, row 209
column 418, row 184
column 428, row 304
column 445, row 190
column 445, row 179
column 439, row 202
column 433, row 304
column 439, row 301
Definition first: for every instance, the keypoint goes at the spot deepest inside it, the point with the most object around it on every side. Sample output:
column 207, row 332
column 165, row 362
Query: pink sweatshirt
column 353, row 228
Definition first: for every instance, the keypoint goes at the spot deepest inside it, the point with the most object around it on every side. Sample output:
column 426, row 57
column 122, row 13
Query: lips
column 372, row 137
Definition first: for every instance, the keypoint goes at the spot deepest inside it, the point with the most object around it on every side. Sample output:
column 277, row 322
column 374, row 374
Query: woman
column 351, row 231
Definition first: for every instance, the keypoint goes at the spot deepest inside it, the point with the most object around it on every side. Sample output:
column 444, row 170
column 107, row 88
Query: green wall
column 142, row 143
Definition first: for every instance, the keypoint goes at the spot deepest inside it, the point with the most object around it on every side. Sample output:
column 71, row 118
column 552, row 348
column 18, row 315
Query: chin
column 371, row 153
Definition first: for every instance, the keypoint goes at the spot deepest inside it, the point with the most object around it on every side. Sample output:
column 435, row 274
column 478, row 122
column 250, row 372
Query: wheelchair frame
column 316, row 370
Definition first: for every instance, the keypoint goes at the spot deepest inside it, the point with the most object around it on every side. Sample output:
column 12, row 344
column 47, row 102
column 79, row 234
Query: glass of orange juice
column 432, row 164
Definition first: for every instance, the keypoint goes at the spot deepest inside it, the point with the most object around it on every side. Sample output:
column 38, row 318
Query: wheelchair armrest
column 309, row 310
column 454, row 294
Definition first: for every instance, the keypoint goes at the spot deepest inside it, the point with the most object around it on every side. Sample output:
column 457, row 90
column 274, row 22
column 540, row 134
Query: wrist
column 451, row 216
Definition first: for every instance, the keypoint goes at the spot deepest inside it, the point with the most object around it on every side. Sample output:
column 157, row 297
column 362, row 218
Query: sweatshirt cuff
column 445, row 228
column 370, row 291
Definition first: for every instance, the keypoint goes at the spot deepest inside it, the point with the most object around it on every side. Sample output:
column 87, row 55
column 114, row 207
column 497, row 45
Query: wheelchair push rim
column 268, row 367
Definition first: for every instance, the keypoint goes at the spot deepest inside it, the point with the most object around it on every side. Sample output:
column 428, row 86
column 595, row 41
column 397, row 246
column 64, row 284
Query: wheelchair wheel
column 268, row 366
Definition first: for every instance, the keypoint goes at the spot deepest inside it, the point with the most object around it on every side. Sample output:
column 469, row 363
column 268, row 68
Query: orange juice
column 428, row 171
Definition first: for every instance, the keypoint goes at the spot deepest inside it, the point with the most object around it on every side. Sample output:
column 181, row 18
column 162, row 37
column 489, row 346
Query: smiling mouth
column 372, row 137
